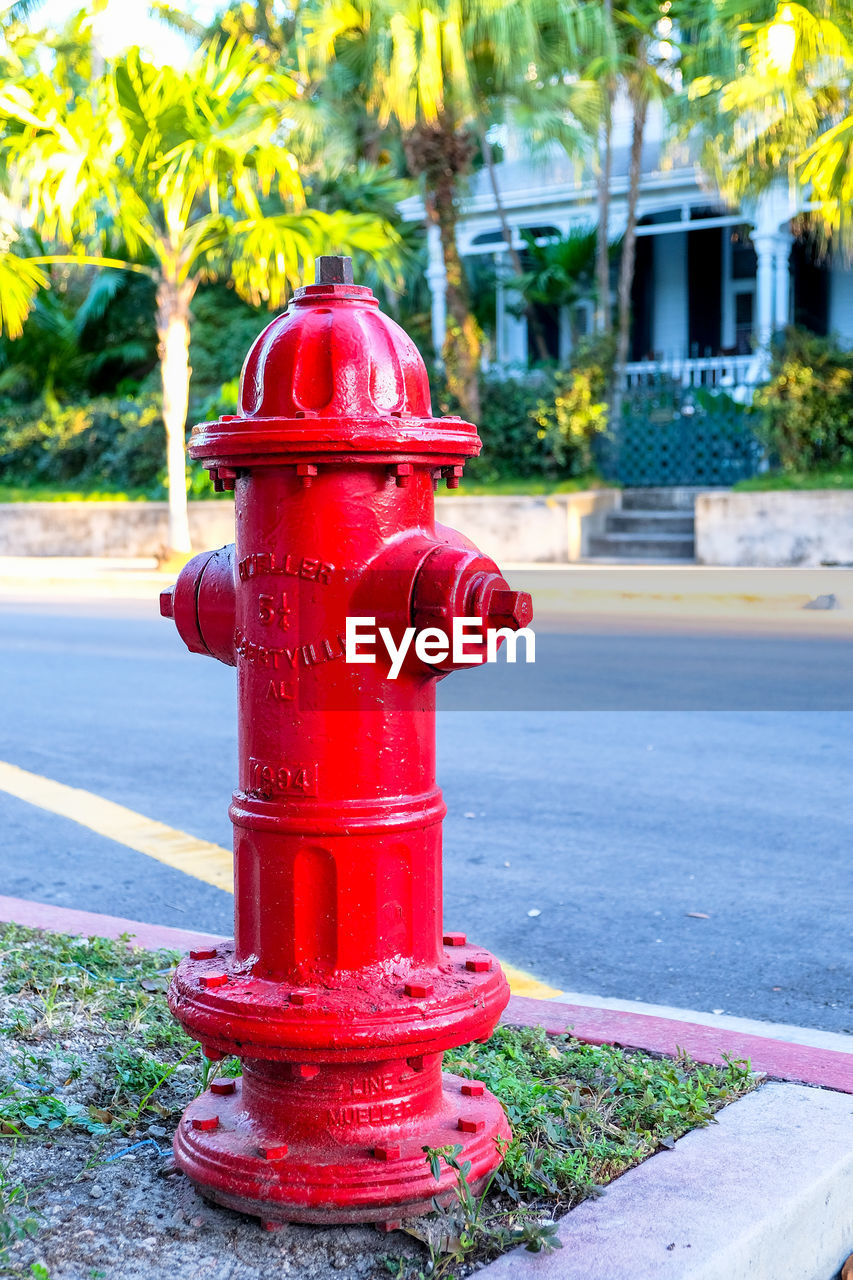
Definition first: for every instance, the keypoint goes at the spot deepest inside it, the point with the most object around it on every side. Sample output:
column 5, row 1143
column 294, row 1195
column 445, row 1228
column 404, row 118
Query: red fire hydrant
column 340, row 992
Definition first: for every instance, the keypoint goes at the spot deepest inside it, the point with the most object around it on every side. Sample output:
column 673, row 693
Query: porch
column 712, row 283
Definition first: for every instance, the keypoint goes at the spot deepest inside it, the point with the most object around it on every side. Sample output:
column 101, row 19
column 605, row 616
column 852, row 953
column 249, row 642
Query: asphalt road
column 637, row 773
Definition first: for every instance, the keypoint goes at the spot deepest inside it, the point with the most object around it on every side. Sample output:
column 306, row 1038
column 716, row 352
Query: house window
column 744, row 261
column 739, row 271
column 581, row 319
column 744, row 319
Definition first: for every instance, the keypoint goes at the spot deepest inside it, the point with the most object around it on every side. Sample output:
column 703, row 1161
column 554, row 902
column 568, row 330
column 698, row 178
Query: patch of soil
column 104, row 1215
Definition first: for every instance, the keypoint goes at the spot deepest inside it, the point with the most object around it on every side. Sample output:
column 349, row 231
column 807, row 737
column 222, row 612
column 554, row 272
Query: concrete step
column 661, row 546
column 678, row 498
column 649, row 522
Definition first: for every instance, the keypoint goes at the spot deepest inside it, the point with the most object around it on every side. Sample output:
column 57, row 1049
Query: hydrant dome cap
column 334, row 354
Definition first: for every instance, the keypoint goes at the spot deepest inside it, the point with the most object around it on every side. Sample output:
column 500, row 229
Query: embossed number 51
column 271, row 609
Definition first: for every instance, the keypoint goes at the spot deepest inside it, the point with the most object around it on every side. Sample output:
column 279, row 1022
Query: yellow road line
column 524, row 984
column 177, row 849
column 208, row 862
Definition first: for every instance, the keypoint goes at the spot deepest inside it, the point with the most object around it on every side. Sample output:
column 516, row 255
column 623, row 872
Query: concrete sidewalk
column 766, row 1193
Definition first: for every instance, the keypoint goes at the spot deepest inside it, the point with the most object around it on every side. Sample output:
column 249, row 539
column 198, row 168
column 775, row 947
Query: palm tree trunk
column 440, row 154
column 532, row 319
column 173, row 332
column 461, row 352
column 602, row 248
column 603, row 322
column 640, row 104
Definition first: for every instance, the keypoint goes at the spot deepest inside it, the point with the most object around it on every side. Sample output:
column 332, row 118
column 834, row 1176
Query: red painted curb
column 776, row 1058
column 42, row 915
column 828, row 1068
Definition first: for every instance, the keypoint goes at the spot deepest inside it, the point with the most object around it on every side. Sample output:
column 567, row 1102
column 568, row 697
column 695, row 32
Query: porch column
column 783, row 283
column 437, row 281
column 511, row 325
column 765, row 287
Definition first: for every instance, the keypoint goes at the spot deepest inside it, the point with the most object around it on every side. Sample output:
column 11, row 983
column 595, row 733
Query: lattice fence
column 669, row 435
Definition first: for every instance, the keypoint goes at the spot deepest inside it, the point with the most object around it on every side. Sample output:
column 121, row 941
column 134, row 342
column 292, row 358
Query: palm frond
column 271, row 255
column 19, row 11
column 103, row 290
column 20, row 282
column 130, row 353
column 177, row 20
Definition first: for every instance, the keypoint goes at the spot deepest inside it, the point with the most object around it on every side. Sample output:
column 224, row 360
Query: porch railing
column 708, row 371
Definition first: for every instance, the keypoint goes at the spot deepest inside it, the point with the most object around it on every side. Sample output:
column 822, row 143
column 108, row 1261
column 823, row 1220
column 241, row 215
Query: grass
column 837, row 478
column 524, row 485
column 90, row 1043
column 88, row 1046
column 56, row 493
column 467, row 488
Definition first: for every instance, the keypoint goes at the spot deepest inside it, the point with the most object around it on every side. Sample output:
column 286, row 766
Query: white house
column 712, row 282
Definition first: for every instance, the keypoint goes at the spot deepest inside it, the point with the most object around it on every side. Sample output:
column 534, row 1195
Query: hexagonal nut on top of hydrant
column 340, row 991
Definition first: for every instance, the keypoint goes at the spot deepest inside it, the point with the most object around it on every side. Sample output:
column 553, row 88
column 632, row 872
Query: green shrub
column 102, row 443
column 509, row 430
column 570, row 418
column 806, row 410
column 543, row 425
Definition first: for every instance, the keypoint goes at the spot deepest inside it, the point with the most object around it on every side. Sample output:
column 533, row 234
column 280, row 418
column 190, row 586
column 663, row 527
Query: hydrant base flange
column 246, row 1165
column 232, row 1011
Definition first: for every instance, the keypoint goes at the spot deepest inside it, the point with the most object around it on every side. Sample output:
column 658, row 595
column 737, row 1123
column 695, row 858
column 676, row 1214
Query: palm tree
column 602, row 70
column 643, row 58
column 776, row 102
column 189, row 175
column 437, row 68
column 553, row 107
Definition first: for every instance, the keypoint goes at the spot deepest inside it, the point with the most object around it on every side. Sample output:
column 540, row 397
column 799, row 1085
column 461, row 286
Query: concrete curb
column 787, row 1031
column 827, row 1068
column 42, row 915
column 765, row 1192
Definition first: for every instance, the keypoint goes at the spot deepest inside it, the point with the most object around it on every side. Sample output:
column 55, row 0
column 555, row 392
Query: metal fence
column 725, row 372
column 671, row 433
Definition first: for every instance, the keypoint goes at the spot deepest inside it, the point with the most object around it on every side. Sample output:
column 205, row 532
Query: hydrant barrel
column 340, row 992
column 338, row 816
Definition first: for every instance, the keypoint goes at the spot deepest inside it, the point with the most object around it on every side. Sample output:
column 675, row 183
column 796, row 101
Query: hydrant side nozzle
column 202, row 604
column 458, row 581
column 216, row 605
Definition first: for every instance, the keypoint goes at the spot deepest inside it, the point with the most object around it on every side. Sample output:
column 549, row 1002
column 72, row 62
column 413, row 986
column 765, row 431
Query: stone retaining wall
column 551, row 529
column 782, row 528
